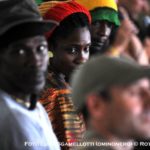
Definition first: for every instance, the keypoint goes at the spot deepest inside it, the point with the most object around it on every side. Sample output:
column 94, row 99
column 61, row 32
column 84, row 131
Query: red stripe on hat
column 62, row 10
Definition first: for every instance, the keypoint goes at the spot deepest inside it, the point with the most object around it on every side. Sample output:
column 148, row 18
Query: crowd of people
column 74, row 75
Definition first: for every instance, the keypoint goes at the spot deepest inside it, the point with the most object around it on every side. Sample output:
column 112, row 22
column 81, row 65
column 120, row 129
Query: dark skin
column 23, row 66
column 71, row 51
column 100, row 32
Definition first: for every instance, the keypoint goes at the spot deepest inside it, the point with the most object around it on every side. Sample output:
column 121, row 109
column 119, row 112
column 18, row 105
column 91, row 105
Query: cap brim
column 26, row 29
column 133, row 76
column 43, row 25
column 143, row 72
column 105, row 14
column 46, row 25
column 126, row 79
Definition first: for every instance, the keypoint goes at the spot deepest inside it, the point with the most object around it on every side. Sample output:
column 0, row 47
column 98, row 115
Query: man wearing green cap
column 104, row 20
column 113, row 96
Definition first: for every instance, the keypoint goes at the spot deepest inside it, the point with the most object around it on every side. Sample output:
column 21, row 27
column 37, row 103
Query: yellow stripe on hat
column 45, row 6
column 91, row 4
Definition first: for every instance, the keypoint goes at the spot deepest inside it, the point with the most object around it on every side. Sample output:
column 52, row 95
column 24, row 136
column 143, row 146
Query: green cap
column 101, row 72
column 105, row 14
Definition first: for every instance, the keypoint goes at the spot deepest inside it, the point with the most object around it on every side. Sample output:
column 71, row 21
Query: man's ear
column 96, row 106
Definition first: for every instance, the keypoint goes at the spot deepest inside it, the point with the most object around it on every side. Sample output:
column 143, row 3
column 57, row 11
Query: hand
column 123, row 35
column 137, row 50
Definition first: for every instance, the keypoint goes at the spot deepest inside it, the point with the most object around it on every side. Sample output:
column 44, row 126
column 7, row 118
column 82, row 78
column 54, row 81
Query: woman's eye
column 87, row 49
column 72, row 50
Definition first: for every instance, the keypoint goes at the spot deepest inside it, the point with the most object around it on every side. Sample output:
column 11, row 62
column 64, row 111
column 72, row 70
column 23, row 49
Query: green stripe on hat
column 105, row 14
column 39, row 1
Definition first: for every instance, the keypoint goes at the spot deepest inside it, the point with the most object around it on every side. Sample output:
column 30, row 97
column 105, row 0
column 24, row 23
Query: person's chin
column 95, row 49
column 38, row 82
column 37, row 87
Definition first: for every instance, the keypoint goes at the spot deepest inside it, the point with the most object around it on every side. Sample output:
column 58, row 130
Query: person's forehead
column 30, row 41
column 102, row 21
column 78, row 37
column 138, row 1
column 141, row 83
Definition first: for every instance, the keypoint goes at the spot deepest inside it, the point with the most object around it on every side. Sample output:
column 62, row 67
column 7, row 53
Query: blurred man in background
column 114, row 101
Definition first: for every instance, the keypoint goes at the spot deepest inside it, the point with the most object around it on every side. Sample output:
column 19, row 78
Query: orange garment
column 56, row 98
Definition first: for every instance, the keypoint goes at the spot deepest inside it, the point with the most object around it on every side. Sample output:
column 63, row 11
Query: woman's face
column 72, row 51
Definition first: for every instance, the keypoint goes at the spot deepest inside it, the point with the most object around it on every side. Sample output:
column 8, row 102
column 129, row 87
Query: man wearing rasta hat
column 104, row 18
column 24, row 124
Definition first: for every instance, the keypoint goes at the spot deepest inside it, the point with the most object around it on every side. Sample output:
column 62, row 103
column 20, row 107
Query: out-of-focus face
column 72, row 51
column 129, row 110
column 116, row 1
column 124, row 113
column 24, row 64
column 100, row 32
column 137, row 6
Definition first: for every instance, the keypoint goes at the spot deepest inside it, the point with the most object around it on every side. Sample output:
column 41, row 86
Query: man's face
column 71, row 51
column 138, row 6
column 23, row 65
column 128, row 111
column 100, row 32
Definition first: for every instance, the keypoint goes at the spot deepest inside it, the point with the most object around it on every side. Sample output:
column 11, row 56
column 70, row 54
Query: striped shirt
column 56, row 98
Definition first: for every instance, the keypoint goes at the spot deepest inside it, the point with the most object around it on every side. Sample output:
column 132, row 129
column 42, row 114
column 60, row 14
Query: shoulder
column 11, row 132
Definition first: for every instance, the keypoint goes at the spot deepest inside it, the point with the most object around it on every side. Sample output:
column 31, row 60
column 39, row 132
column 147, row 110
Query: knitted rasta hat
column 62, row 10
column 45, row 6
column 102, row 10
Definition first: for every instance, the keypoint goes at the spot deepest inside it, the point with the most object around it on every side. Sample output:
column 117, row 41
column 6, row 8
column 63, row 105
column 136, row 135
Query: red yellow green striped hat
column 58, row 11
column 45, row 6
column 92, row 4
column 107, row 10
